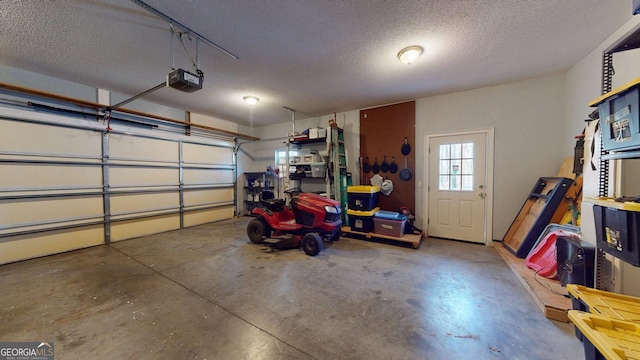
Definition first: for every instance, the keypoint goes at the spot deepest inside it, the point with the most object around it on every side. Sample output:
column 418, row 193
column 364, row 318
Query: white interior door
column 457, row 187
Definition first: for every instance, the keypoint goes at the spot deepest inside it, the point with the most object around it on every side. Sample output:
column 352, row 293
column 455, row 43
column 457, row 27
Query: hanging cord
column 535, row 277
column 184, row 47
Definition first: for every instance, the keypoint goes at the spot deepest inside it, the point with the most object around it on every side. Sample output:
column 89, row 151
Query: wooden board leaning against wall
column 382, row 133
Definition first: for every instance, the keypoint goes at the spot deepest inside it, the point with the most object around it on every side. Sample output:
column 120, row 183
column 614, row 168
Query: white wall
column 527, row 117
column 44, row 83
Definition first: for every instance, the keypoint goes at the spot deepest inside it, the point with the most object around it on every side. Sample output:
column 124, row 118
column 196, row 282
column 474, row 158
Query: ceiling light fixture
column 410, row 54
column 251, row 100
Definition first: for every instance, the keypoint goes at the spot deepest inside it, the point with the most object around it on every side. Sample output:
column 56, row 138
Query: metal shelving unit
column 337, row 178
column 629, row 41
column 255, row 183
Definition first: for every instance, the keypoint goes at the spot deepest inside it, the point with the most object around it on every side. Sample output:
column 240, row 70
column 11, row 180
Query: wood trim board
column 413, row 239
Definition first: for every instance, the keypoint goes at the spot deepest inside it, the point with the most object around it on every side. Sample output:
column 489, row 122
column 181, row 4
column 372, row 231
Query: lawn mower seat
column 267, row 199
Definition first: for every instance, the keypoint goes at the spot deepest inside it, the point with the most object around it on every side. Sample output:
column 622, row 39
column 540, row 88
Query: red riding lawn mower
column 311, row 219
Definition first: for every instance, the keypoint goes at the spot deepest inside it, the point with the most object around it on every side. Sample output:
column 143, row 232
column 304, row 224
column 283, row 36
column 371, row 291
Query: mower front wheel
column 257, row 231
column 311, row 244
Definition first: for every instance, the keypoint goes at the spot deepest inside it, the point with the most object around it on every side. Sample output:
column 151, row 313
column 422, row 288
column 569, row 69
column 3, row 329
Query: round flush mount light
column 410, row 54
column 251, row 100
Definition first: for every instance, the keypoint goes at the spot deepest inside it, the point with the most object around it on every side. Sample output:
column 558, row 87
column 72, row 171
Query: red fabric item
column 542, row 259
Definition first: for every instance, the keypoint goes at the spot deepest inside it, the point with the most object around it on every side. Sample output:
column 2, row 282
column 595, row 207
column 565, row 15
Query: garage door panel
column 199, row 197
column 52, row 176
column 143, row 149
column 44, row 139
column 129, row 229
column 198, row 217
column 128, row 176
column 204, row 154
column 28, row 211
column 132, row 203
column 41, row 176
column 51, row 242
column 207, row 176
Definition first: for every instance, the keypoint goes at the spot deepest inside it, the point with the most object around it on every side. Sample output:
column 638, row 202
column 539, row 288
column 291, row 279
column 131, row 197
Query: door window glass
column 456, row 167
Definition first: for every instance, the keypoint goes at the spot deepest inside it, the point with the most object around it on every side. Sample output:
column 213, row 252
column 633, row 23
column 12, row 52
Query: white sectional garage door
column 66, row 183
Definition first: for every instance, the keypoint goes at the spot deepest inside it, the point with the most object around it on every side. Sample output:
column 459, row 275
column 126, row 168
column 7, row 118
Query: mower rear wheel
column 311, row 244
column 257, row 231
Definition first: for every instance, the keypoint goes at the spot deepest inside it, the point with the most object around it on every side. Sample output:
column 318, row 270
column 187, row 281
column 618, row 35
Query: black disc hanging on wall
column 393, row 167
column 384, row 167
column 375, row 167
column 366, row 167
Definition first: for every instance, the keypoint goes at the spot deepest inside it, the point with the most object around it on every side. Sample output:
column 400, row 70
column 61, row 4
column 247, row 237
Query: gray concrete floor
column 208, row 293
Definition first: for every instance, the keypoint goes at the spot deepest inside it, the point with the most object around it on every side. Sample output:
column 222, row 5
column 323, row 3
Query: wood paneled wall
column 382, row 133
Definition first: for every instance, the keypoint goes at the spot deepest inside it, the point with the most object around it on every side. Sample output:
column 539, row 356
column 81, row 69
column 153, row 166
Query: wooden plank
column 548, row 294
column 509, row 237
column 413, row 239
column 529, row 214
column 523, row 223
column 566, row 169
column 529, row 220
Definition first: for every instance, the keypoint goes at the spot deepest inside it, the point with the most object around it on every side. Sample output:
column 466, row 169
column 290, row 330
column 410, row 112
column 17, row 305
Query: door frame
column 488, row 204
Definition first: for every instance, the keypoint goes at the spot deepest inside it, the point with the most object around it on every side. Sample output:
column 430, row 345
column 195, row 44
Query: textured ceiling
column 315, row 56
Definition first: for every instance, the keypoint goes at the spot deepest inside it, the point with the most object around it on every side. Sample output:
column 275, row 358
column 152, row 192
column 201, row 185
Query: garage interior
column 126, row 206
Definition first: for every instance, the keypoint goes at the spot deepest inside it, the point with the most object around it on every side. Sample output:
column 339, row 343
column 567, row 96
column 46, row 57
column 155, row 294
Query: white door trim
column 489, row 136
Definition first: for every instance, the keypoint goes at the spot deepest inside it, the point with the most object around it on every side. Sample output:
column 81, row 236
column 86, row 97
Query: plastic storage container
column 619, row 119
column 389, row 223
column 361, row 220
column 613, row 305
column 363, row 197
column 606, row 338
column 618, row 228
column 318, row 170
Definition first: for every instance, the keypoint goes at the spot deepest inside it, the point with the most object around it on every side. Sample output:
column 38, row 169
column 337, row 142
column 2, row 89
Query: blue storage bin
column 389, row 215
column 389, row 223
